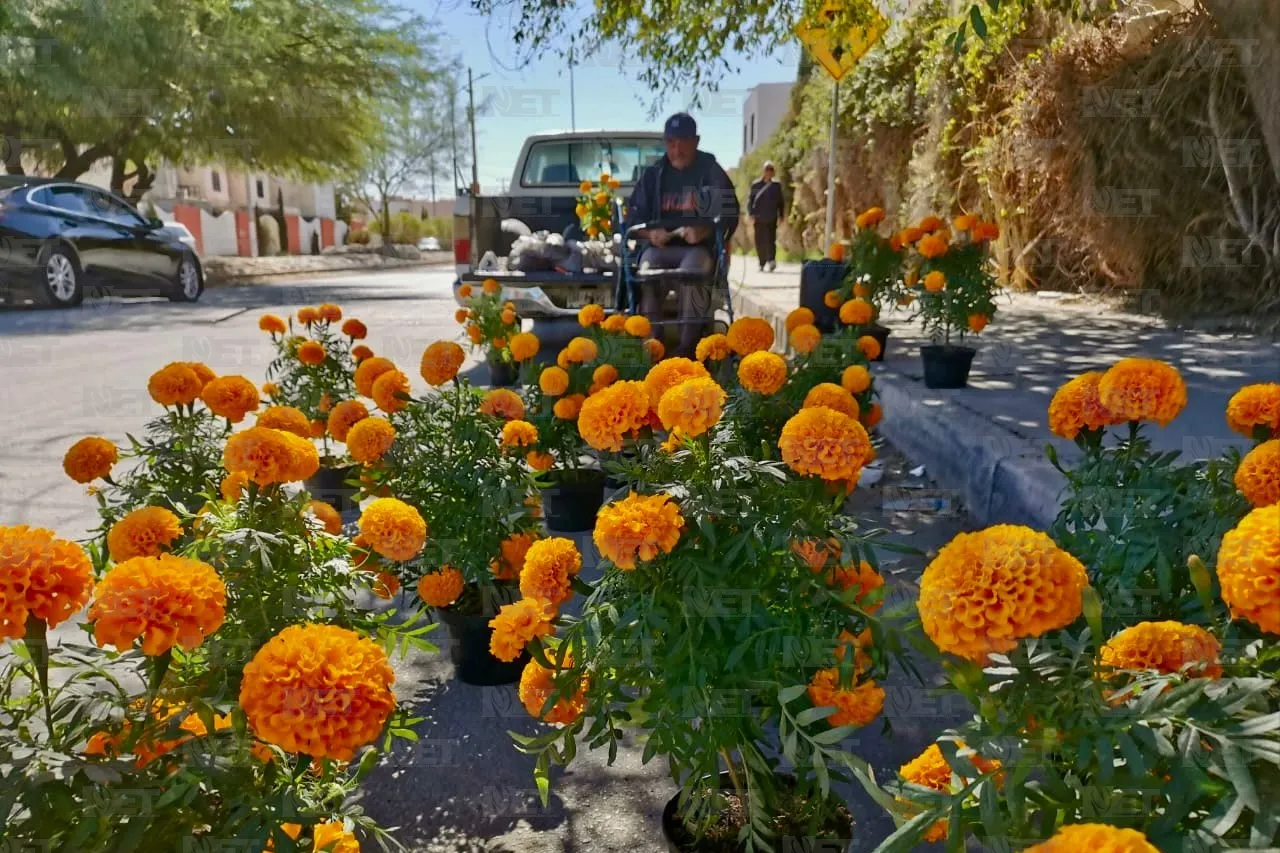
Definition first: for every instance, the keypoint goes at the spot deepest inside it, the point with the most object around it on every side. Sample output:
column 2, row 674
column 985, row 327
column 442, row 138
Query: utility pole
column 831, row 169
column 471, row 98
column 453, row 131
column 573, row 118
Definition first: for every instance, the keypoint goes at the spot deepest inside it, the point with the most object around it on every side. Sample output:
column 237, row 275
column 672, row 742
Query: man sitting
column 685, row 184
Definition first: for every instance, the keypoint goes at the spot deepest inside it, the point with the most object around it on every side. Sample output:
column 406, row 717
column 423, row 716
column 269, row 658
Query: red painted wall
column 190, row 217
column 326, row 233
column 244, row 242
column 294, row 229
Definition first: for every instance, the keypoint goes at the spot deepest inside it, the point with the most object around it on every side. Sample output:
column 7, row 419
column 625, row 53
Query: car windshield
column 564, row 162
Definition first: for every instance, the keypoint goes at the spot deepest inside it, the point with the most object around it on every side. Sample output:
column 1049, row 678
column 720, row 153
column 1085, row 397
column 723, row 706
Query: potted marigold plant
column 595, row 206
column 491, row 325
column 953, row 288
column 733, row 627
column 874, row 275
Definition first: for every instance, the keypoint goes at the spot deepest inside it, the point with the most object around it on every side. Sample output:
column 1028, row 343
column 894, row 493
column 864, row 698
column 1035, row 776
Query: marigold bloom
column 519, row 434
column 308, row 315
column 393, row 528
column 987, row 590
column 666, row 375
column 607, row 417
column 590, row 315
column 763, row 372
column 328, row 517
column 816, row 553
column 930, row 223
column 145, row 532
column 90, row 458
column 749, row 334
column 964, row 222
column 857, row 312
column 503, row 403
column 549, row 565
column 537, row 686
column 390, row 391
column 932, row 246
column 490, row 286
column 41, row 576
column 553, row 381
column 475, row 334
column 462, row 315
column 930, row 770
column 870, row 217
column 441, row 588
column 1076, row 406
column 568, row 408
column 329, row 312
column 285, row 419
column 833, row 397
column 977, row 322
column 713, row 348
column 465, row 291
column 1258, row 477
column 855, row 706
column 1143, row 389
column 581, row 350
column 312, row 353
column 1249, row 569
column 271, row 323
column 539, row 461
column 1094, row 838
column 615, row 323
column 799, row 317
column 1255, row 409
column 516, row 625
column 354, row 329
column 638, row 326
column 805, row 339
column 869, row 347
column 638, row 527
column 935, row 282
column 344, row 416
column 370, row 438
column 655, row 348
column 825, row 443
column 440, row 362
column 870, row 418
column 233, row 486
column 318, row 690
column 331, row 837
column 692, row 407
column 524, row 346
column 231, row 397
column 270, row 389
column 604, row 375
column 513, row 550
column 368, row 372
column 270, row 456
column 855, row 379
column 166, row 600
column 1164, row 647
column 985, row 231
column 863, row 579
column 832, row 299
column 175, row 384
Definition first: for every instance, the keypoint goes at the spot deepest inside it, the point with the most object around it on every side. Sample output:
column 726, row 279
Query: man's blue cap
column 680, row 126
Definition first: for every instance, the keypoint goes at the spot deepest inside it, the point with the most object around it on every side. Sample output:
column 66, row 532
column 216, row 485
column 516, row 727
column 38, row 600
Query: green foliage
column 359, row 237
column 313, row 389
column 970, row 290
column 493, row 323
column 405, row 228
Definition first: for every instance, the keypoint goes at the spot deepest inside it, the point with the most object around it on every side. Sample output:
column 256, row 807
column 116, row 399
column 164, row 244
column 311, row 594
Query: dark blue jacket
column 697, row 193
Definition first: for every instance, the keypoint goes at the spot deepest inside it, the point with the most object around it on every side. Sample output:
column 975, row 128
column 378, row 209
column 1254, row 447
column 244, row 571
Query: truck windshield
column 562, row 163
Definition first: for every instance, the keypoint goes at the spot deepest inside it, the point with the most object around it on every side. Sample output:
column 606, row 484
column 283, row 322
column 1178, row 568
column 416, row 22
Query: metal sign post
column 829, row 232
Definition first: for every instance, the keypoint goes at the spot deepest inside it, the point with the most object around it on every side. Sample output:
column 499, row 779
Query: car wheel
column 188, row 284
column 60, row 285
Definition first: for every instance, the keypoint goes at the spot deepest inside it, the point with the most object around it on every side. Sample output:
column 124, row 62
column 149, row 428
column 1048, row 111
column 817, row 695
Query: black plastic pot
column 679, row 839
column 502, row 374
column 571, row 504
column 329, row 485
column 881, row 334
column 469, row 636
column 946, row 365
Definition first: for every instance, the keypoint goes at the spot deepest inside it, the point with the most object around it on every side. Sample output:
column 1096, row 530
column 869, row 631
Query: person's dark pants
column 766, row 234
column 695, row 298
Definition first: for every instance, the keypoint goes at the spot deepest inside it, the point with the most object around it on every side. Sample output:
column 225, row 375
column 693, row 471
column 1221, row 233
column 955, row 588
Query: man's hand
column 658, row 236
column 694, row 234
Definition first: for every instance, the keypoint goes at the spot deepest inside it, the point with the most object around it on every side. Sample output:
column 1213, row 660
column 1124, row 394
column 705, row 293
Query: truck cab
column 543, row 193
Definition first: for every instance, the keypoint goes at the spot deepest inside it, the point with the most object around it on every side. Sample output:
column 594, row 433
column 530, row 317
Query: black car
column 58, row 238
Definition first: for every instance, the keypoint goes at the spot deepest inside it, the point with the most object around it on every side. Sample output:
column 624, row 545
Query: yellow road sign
column 838, row 56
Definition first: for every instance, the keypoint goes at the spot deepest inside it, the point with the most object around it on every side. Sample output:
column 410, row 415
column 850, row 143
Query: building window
column 262, row 191
column 215, row 180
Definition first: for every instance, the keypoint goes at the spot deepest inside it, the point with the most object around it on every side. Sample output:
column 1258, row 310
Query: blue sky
column 536, row 98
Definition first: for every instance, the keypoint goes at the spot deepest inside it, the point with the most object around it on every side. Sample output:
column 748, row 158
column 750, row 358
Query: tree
column 270, row 85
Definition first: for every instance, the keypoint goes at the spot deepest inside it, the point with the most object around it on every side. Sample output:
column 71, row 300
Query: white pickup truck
column 543, row 193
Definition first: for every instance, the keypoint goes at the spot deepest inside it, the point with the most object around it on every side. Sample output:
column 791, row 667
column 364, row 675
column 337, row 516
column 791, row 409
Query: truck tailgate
column 549, row 293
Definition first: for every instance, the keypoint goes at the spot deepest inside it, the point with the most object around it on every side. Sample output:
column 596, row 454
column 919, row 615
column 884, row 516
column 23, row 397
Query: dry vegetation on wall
column 1116, row 155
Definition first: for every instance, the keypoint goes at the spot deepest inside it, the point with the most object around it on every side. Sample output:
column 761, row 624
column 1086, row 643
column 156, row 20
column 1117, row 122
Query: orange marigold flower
column 344, row 416
column 590, row 315
column 666, row 375
column 89, row 459
column 368, row 372
column 537, row 686
column 713, row 348
column 539, row 461
column 1164, row 647
column 441, row 588
column 870, row 217
column 638, row 326
column 857, row 312
column 475, row 334
column 816, row 553
column 328, row 517
column 393, row 528
column 763, row 372
column 930, row 223
column 978, row 322
column 516, row 625
column 465, row 291
column 833, row 397
column 863, row 579
column 233, row 486
column 510, row 562
column 568, row 408
column 441, row 361
column 855, row 379
column 832, row 299
column 519, row 434
column 964, row 222
column 332, row 837
column 930, row 770
column 869, row 347
column 175, row 384
column 270, row 389
column 1258, row 477
column 145, row 532
column 932, row 246
column 1254, row 411
column 985, row 231
column 935, row 281
column 1095, row 838
column 490, row 286
column 166, row 600
column 862, row 290
column 638, row 527
column 503, row 403
column 799, row 317
column 360, row 353
column 1076, row 406
column 390, row 391
column 825, row 443
column 203, row 372
column 270, row 456
column 805, row 339
column 855, row 706
column 508, row 317
column 1249, row 568
column 615, row 323
column 286, row 419
column 329, row 312
column 1143, row 389
column 231, row 397
column 308, row 315
column 524, row 346
column 870, row 418
column 553, row 381
column 604, row 375
column 41, row 576
column 987, row 590
column 271, row 323
column 607, row 417
column 312, row 353
column 370, row 438
column 692, row 407
column 318, row 690
column 318, row 428
column 355, row 330
column 581, row 350
column 462, row 315
column 655, row 348
column 549, row 565
column 750, row 334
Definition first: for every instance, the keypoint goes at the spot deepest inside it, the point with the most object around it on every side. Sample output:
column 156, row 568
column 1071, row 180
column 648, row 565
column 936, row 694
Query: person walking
column 764, row 206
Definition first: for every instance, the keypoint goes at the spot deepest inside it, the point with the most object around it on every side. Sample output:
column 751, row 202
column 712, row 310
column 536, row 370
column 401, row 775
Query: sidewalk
column 987, row 441
column 227, row 269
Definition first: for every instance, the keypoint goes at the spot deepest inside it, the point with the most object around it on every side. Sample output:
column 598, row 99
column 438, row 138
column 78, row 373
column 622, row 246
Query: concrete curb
column 215, row 277
column 1000, row 476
